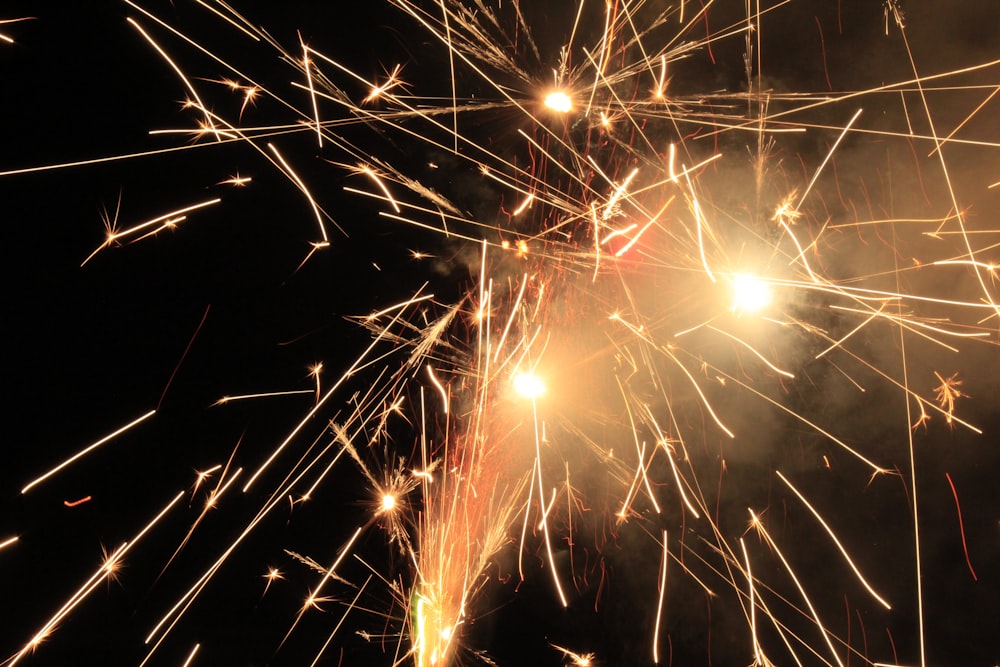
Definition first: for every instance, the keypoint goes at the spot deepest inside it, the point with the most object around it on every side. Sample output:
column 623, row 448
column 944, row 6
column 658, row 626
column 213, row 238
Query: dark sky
column 220, row 306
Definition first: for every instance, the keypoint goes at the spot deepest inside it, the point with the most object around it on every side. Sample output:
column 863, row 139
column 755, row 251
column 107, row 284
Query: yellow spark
column 307, row 67
column 559, row 101
column 305, row 191
column 392, row 81
column 208, row 124
column 388, row 502
column 166, row 220
column 398, row 306
column 750, row 294
column 528, row 385
column 659, row 604
column 191, row 655
column 87, row 450
column 329, row 393
column 315, row 371
column 524, row 205
column 105, row 570
column 8, row 38
column 833, row 536
column 203, row 476
column 266, row 394
column 947, row 393
column 635, row 239
column 756, row 523
column 273, row 574
column 661, row 83
column 236, row 180
column 439, row 386
column 375, row 176
column 577, row 659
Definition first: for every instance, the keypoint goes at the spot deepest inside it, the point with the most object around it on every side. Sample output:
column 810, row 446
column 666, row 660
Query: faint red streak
column 961, row 527
column 183, row 356
column 74, row 503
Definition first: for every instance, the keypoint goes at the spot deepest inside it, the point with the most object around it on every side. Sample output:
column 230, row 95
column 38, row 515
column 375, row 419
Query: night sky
column 222, row 305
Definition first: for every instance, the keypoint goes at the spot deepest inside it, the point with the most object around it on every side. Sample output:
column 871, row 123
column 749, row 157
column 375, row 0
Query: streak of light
column 210, row 126
column 319, row 404
column 106, row 570
column 374, row 175
column 305, row 191
column 307, row 67
column 833, row 536
column 313, row 600
column 752, row 605
column 333, row 633
column 8, row 38
column 267, row 394
column 802, row 591
column 662, row 588
column 87, row 450
column 439, row 387
column 578, row 659
column 191, row 655
column 166, row 220
column 752, row 349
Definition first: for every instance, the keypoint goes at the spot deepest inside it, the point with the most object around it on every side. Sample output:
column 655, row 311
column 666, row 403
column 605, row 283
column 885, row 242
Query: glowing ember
column 750, row 294
column 559, row 101
column 528, row 385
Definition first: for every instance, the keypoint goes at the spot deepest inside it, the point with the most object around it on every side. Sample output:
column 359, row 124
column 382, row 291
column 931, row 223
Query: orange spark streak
column 833, row 536
column 166, row 220
column 659, row 604
column 178, row 71
column 802, row 591
column 266, row 394
column 319, row 404
column 191, row 655
column 305, row 191
column 106, row 570
column 87, row 450
column 307, row 66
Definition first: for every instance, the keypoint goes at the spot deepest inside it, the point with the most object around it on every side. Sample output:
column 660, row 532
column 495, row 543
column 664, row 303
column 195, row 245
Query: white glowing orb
column 388, row 502
column 528, row 385
column 750, row 294
column 559, row 101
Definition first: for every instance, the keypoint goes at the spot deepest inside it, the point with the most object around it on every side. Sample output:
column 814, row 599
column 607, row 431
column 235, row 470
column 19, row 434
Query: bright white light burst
column 750, row 294
column 528, row 385
column 559, row 101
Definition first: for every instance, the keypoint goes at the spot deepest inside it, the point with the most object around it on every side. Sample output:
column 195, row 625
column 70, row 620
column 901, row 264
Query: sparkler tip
column 529, row 385
column 559, row 101
column 750, row 294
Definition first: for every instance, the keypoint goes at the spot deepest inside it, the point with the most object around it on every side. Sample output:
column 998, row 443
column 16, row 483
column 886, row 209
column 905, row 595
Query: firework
column 659, row 329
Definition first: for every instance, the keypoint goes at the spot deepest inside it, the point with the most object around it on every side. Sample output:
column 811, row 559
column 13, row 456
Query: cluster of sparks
column 619, row 309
